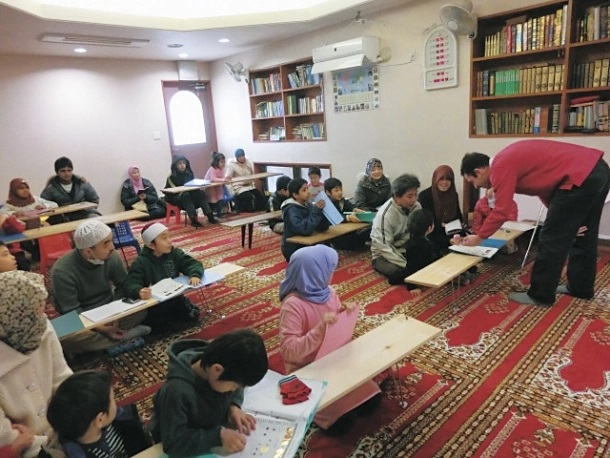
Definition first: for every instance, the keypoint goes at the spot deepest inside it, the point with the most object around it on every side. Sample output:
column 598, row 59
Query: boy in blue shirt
column 354, row 240
column 199, row 405
column 300, row 216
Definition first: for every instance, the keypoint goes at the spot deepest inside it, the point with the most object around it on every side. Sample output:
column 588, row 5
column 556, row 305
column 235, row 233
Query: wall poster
column 356, row 89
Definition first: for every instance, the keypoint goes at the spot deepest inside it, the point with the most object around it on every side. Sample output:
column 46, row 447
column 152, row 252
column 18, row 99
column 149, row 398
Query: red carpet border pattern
column 502, row 380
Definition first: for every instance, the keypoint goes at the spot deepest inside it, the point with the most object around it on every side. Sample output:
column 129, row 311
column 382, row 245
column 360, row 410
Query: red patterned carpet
column 502, row 380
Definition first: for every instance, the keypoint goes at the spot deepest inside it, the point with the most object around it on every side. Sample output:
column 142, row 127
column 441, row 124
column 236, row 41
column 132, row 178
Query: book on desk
column 169, row 288
column 197, row 182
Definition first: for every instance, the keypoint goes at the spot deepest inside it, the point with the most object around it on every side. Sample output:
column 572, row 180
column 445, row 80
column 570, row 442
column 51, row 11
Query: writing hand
column 194, row 281
column 352, row 218
column 232, row 441
column 471, row 240
column 145, row 294
column 243, row 422
column 456, row 240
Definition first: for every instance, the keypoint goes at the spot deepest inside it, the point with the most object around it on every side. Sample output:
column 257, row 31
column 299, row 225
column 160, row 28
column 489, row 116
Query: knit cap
column 89, row 233
column 239, row 152
column 151, row 231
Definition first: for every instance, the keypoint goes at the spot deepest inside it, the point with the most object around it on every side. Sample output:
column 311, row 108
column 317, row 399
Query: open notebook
column 481, row 251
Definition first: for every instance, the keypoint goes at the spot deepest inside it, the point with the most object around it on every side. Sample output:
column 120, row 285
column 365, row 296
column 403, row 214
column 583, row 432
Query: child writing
column 159, row 259
column 275, row 203
column 419, row 250
column 483, row 209
column 199, row 405
column 354, row 240
column 89, row 424
column 315, row 185
column 309, row 306
column 300, row 216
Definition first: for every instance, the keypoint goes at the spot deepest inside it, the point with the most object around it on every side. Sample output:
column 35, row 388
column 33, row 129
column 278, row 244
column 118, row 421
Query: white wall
column 102, row 113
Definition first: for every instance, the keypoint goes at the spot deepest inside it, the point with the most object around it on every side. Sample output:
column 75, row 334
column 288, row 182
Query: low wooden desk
column 249, row 221
column 179, row 189
column 70, row 226
column 329, row 234
column 67, row 209
column 443, row 270
column 357, row 362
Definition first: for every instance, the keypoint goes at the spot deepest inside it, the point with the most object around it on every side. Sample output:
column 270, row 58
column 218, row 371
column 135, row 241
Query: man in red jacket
column 572, row 181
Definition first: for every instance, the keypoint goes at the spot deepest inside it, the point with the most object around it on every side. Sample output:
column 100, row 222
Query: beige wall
column 102, row 113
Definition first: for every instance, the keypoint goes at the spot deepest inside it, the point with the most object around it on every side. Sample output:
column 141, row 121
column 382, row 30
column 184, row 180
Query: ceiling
column 20, row 30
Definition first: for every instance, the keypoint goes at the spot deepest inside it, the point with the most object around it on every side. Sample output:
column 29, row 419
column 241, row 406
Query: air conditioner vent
column 93, row 40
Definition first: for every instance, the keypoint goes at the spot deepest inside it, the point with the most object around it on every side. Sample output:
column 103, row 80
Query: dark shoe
column 187, row 312
column 211, row 219
column 524, row 298
column 196, row 224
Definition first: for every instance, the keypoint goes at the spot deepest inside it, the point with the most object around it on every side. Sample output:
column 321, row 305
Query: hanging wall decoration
column 356, row 89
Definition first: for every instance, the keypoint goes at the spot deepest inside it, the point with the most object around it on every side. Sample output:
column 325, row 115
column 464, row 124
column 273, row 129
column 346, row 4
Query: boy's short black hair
column 332, row 183
column 295, row 184
column 216, row 158
column 314, row 171
column 77, row 401
column 404, row 183
column 472, row 161
column 62, row 163
column 282, row 183
column 241, row 353
column 419, row 222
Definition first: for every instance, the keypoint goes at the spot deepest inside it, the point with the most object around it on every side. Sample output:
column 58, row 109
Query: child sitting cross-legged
column 89, row 424
column 198, row 408
column 354, row 240
column 300, row 216
column 160, row 259
column 419, row 250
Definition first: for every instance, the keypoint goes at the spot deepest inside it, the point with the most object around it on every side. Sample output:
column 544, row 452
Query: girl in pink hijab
column 137, row 189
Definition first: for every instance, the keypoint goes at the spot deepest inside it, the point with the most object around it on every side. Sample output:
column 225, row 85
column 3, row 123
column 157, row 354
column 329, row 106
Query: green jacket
column 188, row 413
column 148, row 269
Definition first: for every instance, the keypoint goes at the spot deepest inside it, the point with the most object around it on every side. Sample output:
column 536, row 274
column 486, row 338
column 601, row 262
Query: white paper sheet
column 111, row 309
column 483, row 252
column 517, row 226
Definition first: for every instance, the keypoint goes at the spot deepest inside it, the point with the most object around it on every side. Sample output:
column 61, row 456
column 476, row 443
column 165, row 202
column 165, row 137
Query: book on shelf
column 603, row 80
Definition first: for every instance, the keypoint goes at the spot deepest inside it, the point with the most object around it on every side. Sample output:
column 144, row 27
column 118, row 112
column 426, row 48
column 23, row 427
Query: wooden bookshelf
column 539, row 71
column 287, row 103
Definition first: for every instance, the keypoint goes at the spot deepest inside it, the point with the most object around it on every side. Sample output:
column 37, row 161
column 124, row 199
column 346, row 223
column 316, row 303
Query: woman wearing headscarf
column 137, row 189
column 309, row 307
column 442, row 200
column 20, row 199
column 373, row 188
column 189, row 201
column 32, row 364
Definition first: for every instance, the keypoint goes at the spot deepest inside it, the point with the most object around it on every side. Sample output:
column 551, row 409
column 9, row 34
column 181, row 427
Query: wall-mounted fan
column 459, row 18
column 237, row 71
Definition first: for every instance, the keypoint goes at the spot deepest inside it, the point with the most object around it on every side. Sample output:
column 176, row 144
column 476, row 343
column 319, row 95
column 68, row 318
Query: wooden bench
column 249, row 222
column 329, row 234
column 358, row 361
column 445, row 269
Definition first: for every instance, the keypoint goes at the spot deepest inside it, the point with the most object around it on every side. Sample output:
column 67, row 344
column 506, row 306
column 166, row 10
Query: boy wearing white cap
column 159, row 259
column 89, row 276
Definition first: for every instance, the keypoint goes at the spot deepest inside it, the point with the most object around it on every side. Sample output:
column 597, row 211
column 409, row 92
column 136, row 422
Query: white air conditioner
column 346, row 54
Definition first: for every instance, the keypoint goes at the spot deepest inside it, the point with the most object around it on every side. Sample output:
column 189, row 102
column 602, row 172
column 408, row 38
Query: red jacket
column 535, row 168
column 482, row 211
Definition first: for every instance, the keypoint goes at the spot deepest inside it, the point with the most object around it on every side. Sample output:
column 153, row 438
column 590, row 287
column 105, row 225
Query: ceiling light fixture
column 93, row 40
column 183, row 55
column 80, row 50
column 224, row 40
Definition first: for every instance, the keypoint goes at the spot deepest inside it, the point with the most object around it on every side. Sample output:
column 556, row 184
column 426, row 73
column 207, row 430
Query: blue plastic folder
column 493, row 243
column 67, row 324
column 330, row 211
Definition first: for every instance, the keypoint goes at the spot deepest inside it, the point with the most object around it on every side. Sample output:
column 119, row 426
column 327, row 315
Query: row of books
column 524, row 80
column 269, row 109
column 527, row 34
column 302, row 76
column 309, row 131
column 537, row 120
column 272, row 83
column 304, row 105
column 589, row 117
column 595, row 24
column 591, row 74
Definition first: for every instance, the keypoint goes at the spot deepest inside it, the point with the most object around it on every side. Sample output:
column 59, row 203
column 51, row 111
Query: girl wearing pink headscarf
column 137, row 189
column 309, row 306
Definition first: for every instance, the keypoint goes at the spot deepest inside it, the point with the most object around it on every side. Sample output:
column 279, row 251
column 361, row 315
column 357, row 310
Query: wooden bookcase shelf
column 542, row 71
column 287, row 103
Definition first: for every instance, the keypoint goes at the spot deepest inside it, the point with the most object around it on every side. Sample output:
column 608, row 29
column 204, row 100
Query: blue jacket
column 300, row 219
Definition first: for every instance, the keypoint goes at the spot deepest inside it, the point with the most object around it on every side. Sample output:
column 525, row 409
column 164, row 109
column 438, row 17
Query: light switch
column 156, row 135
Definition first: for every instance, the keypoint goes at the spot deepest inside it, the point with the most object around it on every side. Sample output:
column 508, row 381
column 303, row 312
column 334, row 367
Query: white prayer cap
column 151, row 231
column 89, row 233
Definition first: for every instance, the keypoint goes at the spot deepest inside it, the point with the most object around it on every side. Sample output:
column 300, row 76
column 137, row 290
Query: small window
column 186, row 114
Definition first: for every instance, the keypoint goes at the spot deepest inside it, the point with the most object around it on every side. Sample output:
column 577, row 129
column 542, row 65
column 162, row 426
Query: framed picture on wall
column 356, row 89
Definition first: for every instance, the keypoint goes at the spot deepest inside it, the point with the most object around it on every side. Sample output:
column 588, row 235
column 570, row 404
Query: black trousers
column 568, row 211
column 190, row 201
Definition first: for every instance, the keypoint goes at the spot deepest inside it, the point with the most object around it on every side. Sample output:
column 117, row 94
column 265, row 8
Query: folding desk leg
column 122, row 250
column 402, row 400
column 204, row 301
column 250, row 230
column 243, row 236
